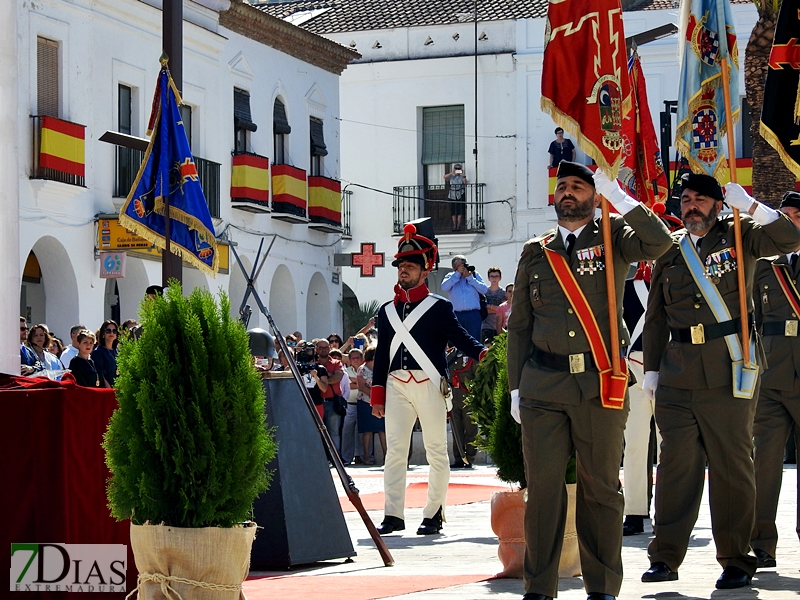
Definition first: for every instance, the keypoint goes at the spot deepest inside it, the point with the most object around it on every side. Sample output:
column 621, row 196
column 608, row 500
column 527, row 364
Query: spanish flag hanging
column 62, row 146
column 325, row 201
column 289, row 190
column 250, row 178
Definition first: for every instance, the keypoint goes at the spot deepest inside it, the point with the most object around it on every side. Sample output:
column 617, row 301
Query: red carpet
column 349, row 587
column 417, row 496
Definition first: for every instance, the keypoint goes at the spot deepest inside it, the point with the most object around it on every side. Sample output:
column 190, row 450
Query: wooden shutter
column 47, row 77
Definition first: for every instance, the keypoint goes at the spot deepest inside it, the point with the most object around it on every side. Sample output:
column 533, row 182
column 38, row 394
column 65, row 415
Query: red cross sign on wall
column 367, row 259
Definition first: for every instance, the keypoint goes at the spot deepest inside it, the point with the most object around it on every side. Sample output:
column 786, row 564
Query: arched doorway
column 193, row 278
column 237, row 286
column 130, row 289
column 318, row 307
column 52, row 297
column 283, row 300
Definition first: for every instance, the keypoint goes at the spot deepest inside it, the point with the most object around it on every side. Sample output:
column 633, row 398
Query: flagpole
column 737, row 225
column 611, row 288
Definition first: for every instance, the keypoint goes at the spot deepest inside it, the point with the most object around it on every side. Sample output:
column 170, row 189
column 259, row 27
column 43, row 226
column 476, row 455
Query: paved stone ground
column 468, row 546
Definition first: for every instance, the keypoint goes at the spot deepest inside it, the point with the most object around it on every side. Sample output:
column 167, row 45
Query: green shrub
column 188, row 445
column 499, row 434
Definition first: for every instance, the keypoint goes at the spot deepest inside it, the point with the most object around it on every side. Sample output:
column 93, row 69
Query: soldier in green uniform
column 778, row 408
column 690, row 348
column 555, row 383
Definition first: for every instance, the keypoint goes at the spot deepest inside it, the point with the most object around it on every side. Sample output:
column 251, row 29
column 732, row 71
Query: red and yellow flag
column 289, row 190
column 585, row 78
column 250, row 178
column 642, row 171
column 62, row 147
column 324, row 201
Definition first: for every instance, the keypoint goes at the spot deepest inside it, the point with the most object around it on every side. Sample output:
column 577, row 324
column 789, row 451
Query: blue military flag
column 707, row 36
column 168, row 171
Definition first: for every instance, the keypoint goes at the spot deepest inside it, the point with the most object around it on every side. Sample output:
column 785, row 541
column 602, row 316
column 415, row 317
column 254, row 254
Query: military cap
column 702, row 184
column 791, row 199
column 415, row 248
column 573, row 169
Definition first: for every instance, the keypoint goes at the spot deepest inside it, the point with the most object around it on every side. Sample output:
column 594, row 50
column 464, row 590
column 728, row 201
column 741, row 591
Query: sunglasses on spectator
column 111, row 331
column 23, row 329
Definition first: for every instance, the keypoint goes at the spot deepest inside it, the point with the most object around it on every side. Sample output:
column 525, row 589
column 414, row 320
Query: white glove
column 736, row 197
column 614, row 193
column 650, row 384
column 515, row 406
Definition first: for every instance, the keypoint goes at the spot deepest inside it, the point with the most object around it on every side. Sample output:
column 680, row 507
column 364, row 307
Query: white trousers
column 636, row 462
column 404, row 403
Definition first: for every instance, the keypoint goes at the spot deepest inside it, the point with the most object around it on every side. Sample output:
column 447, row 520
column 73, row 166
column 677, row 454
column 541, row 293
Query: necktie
column 794, row 261
column 699, row 243
column 570, row 244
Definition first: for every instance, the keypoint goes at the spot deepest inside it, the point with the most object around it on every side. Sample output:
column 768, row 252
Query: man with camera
column 315, row 376
column 464, row 288
column 456, row 194
column 335, row 370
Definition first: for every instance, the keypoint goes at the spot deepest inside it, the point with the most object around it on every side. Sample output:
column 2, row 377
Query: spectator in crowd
column 495, row 296
column 127, row 327
column 39, row 340
column 105, row 355
column 153, row 290
column 464, row 288
column 335, row 341
column 56, row 347
column 335, row 371
column 368, row 425
column 71, row 351
column 350, row 343
column 82, row 366
column 291, row 340
column 297, row 335
column 351, row 448
column 560, row 149
column 504, row 310
column 282, row 364
column 26, row 355
column 314, row 375
column 456, row 194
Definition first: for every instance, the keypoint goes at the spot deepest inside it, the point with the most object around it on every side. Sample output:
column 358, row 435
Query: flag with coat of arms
column 168, row 172
column 707, row 37
column 585, row 85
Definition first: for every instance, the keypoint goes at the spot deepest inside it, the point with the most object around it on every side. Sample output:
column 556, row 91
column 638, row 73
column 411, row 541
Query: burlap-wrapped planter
column 508, row 511
column 208, row 563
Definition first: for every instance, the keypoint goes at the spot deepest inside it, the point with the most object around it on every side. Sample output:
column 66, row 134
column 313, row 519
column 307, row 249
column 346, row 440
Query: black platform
column 300, row 514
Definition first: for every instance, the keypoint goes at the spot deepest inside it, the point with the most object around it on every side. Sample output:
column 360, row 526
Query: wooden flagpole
column 737, row 225
column 611, row 289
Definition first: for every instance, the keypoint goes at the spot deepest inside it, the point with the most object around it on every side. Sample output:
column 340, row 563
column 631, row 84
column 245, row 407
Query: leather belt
column 700, row 334
column 785, row 328
column 571, row 363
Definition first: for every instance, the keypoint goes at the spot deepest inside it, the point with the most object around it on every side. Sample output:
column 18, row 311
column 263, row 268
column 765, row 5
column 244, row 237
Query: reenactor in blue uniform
column 409, row 380
column 705, row 395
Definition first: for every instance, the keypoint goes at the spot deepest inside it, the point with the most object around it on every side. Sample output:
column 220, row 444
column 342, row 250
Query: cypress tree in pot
column 188, row 446
column 501, row 437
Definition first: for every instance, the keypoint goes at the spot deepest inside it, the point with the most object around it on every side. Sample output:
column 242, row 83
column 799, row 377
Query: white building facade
column 95, row 64
column 409, row 73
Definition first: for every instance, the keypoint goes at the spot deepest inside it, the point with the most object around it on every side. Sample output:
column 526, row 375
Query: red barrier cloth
column 53, row 471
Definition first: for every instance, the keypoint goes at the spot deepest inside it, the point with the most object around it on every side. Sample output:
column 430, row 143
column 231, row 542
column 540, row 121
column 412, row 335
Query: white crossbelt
column 640, row 287
column 402, row 336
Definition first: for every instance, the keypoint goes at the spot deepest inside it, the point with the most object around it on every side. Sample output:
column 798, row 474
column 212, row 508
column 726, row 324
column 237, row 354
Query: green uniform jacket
column 783, row 353
column 541, row 315
column 676, row 302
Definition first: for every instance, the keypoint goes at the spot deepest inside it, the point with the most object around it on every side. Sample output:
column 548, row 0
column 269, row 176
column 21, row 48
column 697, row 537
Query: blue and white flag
column 169, row 171
column 707, row 36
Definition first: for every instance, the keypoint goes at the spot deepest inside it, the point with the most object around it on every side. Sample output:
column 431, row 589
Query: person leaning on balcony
column 555, row 383
column 464, row 288
column 691, row 350
column 456, row 195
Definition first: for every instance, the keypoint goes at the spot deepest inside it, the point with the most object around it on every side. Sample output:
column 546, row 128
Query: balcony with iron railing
column 129, row 160
column 411, row 202
column 58, row 150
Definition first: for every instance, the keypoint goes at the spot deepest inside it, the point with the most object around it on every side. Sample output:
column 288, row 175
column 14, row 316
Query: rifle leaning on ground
column 347, row 482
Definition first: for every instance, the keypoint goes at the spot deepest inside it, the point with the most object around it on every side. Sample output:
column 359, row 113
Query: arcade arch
column 318, row 307
column 283, row 300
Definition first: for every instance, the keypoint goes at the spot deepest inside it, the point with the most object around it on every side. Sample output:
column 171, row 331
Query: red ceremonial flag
column 642, row 170
column 585, row 77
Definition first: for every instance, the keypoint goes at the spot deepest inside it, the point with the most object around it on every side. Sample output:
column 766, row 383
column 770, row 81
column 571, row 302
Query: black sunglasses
column 111, row 331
